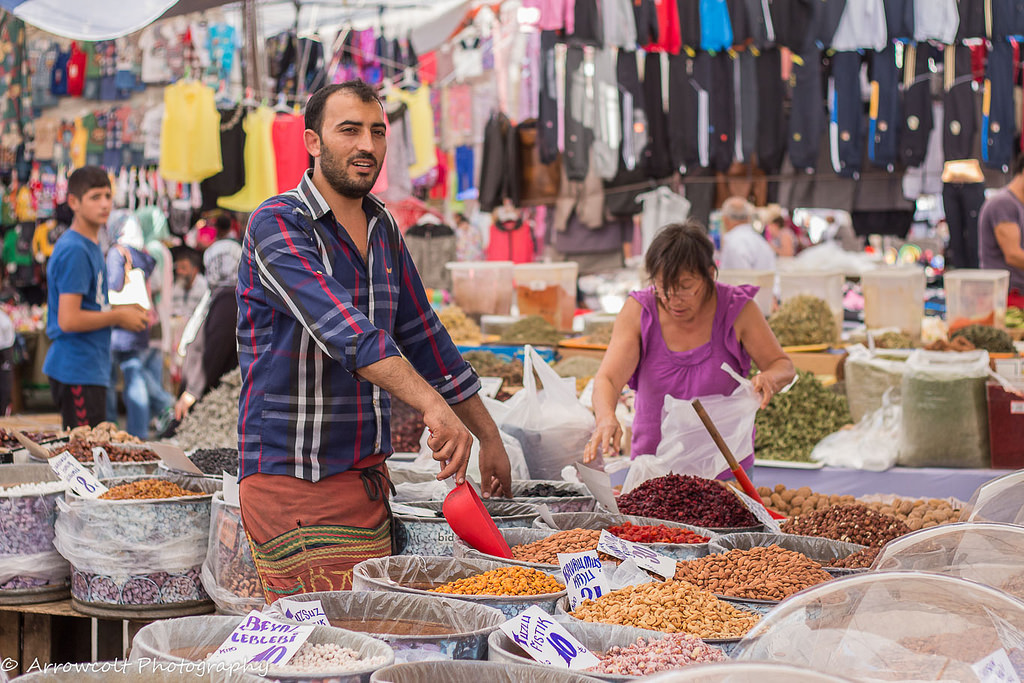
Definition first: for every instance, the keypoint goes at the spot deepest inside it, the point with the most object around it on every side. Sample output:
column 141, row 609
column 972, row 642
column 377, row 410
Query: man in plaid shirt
column 333, row 320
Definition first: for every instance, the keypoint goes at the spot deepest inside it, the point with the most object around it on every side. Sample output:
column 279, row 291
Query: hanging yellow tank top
column 421, row 125
column 190, row 133
column 79, row 141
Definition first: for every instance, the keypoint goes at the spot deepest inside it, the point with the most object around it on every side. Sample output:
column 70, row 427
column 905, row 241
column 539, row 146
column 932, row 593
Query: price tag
column 583, row 577
column 260, row 639
column 490, row 386
column 545, row 514
column 600, row 486
column 174, row 458
column 230, row 489
column 642, row 555
column 759, row 511
column 76, row 475
column 303, row 610
column 996, row 668
column 547, row 641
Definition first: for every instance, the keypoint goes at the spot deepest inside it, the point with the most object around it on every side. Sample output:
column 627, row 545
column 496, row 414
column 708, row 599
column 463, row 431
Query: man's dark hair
column 223, row 224
column 85, row 179
column 680, row 249
column 1018, row 164
column 184, row 253
column 315, row 106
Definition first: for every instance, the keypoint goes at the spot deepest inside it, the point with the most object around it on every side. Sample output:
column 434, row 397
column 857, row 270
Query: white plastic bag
column 551, row 424
column 425, row 462
column 871, row 444
column 869, row 375
column 687, row 448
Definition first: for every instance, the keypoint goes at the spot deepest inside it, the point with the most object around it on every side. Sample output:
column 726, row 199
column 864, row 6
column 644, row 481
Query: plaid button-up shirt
column 310, row 313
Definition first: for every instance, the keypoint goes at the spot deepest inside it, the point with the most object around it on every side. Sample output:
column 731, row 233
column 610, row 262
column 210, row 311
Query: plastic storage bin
column 548, row 290
column 765, row 279
column 894, row 297
column 824, row 284
column 1005, row 427
column 977, row 296
column 482, row 286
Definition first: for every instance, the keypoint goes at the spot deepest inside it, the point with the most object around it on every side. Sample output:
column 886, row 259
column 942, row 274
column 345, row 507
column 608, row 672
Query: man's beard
column 337, row 176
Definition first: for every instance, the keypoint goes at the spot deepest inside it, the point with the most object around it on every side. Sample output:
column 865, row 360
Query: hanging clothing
column 791, row 22
column 231, row 179
column 421, row 128
column 958, row 104
column 722, row 129
column 661, row 207
column 289, row 150
column 548, row 105
column 687, row 111
column 884, row 109
column 715, row 26
column 899, row 19
column 917, row 120
column 807, row 118
column 669, row 38
column 260, row 167
column 631, row 109
column 645, row 15
column 431, row 246
column 937, row 20
column 585, row 198
column 538, row 182
column 511, row 241
column 771, row 120
column 972, row 19
column 862, row 27
column 579, row 114
column 827, row 15
column 846, row 122
column 745, row 105
column 587, row 25
column 656, row 157
column 499, row 173
column 618, row 24
column 190, row 133
column 998, row 127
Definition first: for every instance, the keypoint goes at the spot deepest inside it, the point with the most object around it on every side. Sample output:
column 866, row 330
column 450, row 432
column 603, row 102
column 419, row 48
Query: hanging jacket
column 499, row 173
column 431, row 246
column 511, row 241
column 538, row 182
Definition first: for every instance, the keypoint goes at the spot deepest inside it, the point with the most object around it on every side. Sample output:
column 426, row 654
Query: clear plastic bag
column 891, row 626
column 229, row 574
column 425, row 462
column 945, row 410
column 687, row 448
column 988, row 553
column 195, row 638
column 998, row 500
column 419, row 574
column 474, row 672
column 48, row 567
column 871, row 444
column 551, row 424
column 415, row 626
column 127, row 537
column 869, row 376
column 27, row 555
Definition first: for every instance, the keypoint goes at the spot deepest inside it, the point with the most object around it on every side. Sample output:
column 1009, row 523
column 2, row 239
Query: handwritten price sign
column 583, row 576
column 305, row 611
column 78, row 478
column 259, row 639
column 547, row 641
column 644, row 557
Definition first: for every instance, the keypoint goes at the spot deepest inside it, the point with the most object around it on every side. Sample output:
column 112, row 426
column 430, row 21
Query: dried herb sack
column 945, row 411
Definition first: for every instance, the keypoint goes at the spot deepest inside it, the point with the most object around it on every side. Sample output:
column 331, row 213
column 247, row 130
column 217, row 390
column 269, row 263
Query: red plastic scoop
column 469, row 519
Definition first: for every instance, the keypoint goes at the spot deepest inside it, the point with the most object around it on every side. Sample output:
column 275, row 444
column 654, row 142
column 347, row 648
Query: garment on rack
column 917, row 121
column 722, row 131
column 290, row 153
column 190, row 133
column 260, row 168
column 607, row 119
column 661, row 207
column 772, row 124
column 745, row 105
column 937, row 20
column 632, row 110
column 548, row 105
column 421, row 126
column 231, row 179
column 431, row 246
column 585, row 198
column 587, row 26
column 669, row 38
column 645, row 14
column 961, row 204
column 862, row 27
column 687, row 110
column 807, row 118
column 792, row 23
column 959, row 106
column 715, row 25
column 657, row 160
column 972, row 19
column 499, row 173
column 899, row 18
column 619, row 24
column 579, row 114
column 1003, row 18
column 884, row 109
column 926, row 177
column 998, row 126
column 511, row 241
column 846, row 122
column 538, row 181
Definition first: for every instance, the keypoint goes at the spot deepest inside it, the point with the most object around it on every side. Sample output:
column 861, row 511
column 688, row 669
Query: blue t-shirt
column 77, row 267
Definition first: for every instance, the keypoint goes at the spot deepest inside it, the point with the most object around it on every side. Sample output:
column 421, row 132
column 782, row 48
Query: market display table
column 32, row 636
column 907, row 482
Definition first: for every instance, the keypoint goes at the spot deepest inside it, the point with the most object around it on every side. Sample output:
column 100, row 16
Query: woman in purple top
column 673, row 337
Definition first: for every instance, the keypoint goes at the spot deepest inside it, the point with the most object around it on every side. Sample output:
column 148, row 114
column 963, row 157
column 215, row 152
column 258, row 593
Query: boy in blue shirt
column 80, row 317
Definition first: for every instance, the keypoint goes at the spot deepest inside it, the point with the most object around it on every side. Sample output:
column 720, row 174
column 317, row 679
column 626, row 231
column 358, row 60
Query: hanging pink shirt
column 685, row 374
column 290, row 154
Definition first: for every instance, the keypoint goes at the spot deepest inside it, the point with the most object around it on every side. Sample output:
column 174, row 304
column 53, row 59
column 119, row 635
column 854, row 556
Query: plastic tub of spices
column 600, row 638
column 420, row 575
column 138, row 558
column 482, row 286
column 559, row 496
column 415, row 626
column 604, row 520
column 229, row 574
column 32, row 568
column 433, row 536
column 548, row 290
column 193, row 639
column 473, row 672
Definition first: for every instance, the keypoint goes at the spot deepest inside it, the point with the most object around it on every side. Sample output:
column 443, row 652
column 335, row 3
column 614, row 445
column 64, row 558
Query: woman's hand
column 606, row 440
column 764, row 387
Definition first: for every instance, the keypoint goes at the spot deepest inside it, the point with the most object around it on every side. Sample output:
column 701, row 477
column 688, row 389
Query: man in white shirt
column 743, row 248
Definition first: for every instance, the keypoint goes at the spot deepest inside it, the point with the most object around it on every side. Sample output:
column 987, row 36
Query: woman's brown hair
column 679, row 249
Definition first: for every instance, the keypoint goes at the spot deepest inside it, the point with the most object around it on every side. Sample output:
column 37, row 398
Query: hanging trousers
column 962, row 203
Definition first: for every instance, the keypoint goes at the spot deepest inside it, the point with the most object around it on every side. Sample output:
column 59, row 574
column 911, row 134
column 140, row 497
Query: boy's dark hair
column 682, row 248
column 85, row 179
column 315, row 106
column 223, row 225
column 184, row 253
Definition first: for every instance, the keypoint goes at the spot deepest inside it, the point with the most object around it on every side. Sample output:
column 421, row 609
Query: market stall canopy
column 87, row 19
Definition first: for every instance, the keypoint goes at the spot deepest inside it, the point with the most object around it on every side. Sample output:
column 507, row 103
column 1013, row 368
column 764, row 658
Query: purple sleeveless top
column 685, row 374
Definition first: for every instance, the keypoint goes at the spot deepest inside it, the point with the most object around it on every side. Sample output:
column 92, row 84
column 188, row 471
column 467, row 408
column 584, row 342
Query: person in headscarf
column 208, row 343
column 144, row 397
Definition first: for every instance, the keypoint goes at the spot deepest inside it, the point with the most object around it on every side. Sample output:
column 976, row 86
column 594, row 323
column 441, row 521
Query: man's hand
column 495, row 471
column 449, row 439
column 131, row 317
